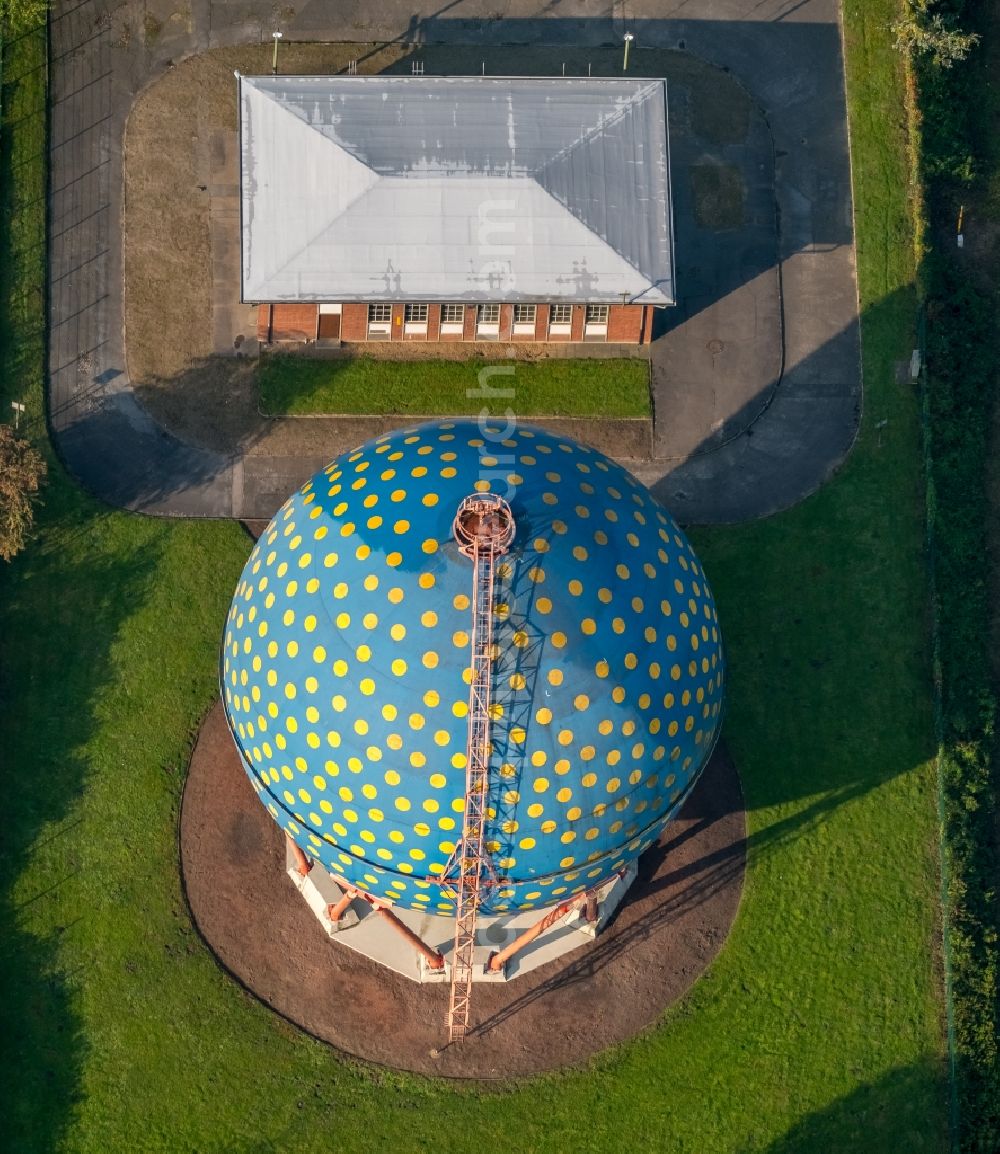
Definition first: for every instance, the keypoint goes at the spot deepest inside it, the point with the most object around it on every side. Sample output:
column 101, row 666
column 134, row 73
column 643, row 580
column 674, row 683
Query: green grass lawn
column 555, row 388
column 817, row 1029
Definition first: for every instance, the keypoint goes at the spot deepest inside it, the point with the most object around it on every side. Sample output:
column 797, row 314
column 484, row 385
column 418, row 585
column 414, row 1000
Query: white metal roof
column 455, row 189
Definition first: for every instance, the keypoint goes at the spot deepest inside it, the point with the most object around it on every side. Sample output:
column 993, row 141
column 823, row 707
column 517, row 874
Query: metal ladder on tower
column 484, row 529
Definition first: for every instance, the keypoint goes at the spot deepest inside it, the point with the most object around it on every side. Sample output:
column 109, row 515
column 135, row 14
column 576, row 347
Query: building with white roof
column 461, row 208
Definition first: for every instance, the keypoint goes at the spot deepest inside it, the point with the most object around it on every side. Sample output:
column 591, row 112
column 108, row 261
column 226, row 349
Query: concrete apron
column 362, row 930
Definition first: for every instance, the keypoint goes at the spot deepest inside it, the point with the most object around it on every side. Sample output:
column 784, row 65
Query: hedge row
column 961, row 382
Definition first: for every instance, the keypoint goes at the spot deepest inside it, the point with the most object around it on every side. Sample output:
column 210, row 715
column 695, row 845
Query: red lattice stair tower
column 484, row 530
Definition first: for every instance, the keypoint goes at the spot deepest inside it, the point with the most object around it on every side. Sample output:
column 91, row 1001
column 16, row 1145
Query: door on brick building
column 329, row 322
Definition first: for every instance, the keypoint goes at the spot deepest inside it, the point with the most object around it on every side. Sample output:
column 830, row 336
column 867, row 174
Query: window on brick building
column 415, row 314
column 524, row 314
column 452, row 314
column 379, row 314
column 597, row 314
column 561, row 315
column 488, row 315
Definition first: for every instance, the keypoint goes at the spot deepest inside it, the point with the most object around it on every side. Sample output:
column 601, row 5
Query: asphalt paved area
column 757, row 377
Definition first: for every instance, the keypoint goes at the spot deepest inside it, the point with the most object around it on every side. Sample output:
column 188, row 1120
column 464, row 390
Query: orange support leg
column 433, row 959
column 302, row 864
column 498, row 960
column 336, row 911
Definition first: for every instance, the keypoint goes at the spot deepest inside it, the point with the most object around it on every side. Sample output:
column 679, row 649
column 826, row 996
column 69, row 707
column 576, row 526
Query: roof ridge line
column 617, row 115
column 607, row 244
column 289, row 110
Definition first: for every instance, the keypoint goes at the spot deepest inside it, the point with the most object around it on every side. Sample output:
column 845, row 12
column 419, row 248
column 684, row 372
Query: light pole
column 628, row 43
column 274, row 58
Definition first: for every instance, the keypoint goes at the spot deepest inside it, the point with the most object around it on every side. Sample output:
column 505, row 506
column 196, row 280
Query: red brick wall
column 354, row 323
column 625, row 324
column 294, row 322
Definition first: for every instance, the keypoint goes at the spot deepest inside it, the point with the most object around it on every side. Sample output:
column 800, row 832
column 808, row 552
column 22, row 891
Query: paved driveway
column 757, row 379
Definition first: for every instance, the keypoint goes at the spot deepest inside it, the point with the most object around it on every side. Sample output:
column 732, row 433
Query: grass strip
column 299, row 385
column 102, row 681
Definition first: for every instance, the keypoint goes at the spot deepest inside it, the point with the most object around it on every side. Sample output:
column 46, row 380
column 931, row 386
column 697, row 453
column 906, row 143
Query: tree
column 925, row 32
column 22, row 469
column 18, row 15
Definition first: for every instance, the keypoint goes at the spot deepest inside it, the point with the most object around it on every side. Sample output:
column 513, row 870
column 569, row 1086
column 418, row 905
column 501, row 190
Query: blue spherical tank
column 346, row 666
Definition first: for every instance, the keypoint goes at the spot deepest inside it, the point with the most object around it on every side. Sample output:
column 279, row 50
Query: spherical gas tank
column 347, row 666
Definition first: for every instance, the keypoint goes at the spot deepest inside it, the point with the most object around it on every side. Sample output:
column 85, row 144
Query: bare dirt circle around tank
column 671, row 926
